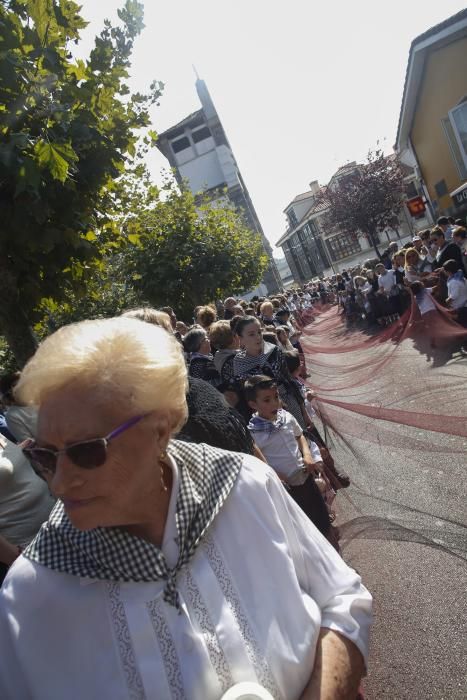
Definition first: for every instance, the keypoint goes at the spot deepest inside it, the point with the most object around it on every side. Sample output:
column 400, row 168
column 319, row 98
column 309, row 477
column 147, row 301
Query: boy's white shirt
column 280, row 447
column 457, row 290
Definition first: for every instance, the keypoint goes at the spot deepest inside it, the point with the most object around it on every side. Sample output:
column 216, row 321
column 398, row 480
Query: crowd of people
column 216, row 446
column 433, row 264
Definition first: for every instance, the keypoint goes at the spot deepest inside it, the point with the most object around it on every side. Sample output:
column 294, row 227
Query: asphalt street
column 403, row 521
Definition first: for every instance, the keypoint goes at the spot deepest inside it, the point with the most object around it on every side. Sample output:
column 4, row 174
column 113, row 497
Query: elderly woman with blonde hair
column 166, row 569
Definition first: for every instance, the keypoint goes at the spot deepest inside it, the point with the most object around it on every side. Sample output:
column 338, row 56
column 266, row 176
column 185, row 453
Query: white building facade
column 200, row 155
column 314, row 250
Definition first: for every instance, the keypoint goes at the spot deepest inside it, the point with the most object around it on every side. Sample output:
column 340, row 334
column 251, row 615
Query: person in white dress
column 166, row 570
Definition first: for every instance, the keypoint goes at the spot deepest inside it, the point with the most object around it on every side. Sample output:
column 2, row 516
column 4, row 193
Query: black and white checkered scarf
column 206, row 477
column 246, row 365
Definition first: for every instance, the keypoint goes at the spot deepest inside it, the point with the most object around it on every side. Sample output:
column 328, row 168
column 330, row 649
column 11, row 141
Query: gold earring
column 163, row 484
column 163, row 455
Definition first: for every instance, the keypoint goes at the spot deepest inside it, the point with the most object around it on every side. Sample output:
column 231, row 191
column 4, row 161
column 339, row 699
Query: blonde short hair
column 124, row 357
column 266, row 306
column 149, row 315
column 411, row 252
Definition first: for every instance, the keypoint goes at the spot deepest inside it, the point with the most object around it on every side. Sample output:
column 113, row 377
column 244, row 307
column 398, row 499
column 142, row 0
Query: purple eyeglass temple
column 125, row 426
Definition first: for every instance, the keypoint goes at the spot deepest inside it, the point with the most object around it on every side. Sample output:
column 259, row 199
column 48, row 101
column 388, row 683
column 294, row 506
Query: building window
column 292, row 261
column 301, row 264
column 441, row 188
column 314, row 228
column 200, row 134
column 458, row 121
column 316, row 247
column 343, row 245
column 292, row 218
column 454, row 147
column 411, row 190
column 180, row 144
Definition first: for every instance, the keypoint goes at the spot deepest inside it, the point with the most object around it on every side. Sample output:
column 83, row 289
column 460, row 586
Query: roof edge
column 420, row 45
column 181, row 123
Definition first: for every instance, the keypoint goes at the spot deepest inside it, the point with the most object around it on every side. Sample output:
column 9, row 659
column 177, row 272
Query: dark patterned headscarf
column 213, row 421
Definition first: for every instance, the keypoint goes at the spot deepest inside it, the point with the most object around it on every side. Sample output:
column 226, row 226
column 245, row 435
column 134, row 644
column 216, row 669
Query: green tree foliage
column 187, row 251
column 67, row 129
column 106, row 294
column 367, row 199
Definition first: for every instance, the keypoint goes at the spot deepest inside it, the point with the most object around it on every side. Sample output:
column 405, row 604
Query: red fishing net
column 378, row 386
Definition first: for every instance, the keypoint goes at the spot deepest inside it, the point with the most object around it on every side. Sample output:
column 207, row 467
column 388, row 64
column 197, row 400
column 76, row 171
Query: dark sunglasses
column 87, row 454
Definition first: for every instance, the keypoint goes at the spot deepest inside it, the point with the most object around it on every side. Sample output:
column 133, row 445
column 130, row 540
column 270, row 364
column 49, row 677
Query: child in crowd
column 282, row 442
column 385, row 301
column 338, row 479
column 427, row 307
column 398, row 266
column 423, row 297
column 292, row 360
column 283, row 334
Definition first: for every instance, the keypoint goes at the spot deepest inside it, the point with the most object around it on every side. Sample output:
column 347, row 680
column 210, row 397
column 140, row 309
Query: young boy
column 280, row 438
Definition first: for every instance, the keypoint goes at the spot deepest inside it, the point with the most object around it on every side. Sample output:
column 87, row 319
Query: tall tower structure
column 200, row 154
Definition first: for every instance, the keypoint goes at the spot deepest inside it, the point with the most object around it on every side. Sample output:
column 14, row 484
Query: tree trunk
column 372, row 238
column 14, row 325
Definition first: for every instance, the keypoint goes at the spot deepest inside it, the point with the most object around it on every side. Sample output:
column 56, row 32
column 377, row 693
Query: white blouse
column 253, row 599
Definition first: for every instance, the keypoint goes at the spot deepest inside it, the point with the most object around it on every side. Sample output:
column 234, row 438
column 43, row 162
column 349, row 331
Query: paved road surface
column 404, row 524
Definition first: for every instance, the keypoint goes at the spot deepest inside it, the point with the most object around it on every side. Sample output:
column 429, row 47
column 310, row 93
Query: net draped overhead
column 360, row 378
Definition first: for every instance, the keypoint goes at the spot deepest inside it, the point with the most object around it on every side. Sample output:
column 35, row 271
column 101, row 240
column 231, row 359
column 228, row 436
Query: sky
column 301, row 87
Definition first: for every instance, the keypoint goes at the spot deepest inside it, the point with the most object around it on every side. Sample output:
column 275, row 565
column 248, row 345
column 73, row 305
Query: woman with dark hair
column 258, row 356
column 200, row 361
column 446, row 250
column 233, row 323
column 340, row 286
